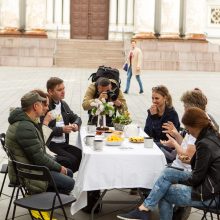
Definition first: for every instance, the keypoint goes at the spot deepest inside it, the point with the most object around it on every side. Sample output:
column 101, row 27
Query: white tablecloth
column 116, row 168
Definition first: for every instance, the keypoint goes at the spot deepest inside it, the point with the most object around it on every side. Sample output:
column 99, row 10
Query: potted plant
column 121, row 120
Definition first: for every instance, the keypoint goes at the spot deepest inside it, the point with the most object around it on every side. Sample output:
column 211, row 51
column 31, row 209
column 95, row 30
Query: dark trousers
column 67, row 155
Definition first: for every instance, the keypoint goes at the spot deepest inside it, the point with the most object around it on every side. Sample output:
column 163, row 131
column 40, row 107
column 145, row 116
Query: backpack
column 106, row 72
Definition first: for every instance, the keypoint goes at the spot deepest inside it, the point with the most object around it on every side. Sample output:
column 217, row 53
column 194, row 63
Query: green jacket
column 26, row 144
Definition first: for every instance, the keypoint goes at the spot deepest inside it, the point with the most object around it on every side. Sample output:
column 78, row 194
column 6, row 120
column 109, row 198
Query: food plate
column 136, row 139
column 113, row 143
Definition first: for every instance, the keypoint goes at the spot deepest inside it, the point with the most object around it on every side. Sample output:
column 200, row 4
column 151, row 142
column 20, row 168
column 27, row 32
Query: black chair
column 210, row 208
column 45, row 201
column 4, row 168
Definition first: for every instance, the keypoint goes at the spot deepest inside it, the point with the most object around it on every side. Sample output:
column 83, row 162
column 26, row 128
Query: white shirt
column 59, row 123
column 187, row 140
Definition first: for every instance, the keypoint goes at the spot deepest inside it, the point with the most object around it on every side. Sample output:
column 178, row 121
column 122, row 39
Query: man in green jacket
column 25, row 142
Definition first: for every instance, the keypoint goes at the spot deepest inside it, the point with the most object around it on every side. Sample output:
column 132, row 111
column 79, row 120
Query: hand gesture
column 171, row 142
column 184, row 159
column 103, row 95
column 63, row 170
column 138, row 68
column 48, row 118
column 67, row 128
column 153, row 110
column 75, row 127
column 117, row 103
column 170, row 129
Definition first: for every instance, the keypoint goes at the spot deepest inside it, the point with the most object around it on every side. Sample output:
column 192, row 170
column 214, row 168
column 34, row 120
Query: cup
column 88, row 140
column 148, row 142
column 91, row 128
column 98, row 144
column 107, row 133
column 53, row 114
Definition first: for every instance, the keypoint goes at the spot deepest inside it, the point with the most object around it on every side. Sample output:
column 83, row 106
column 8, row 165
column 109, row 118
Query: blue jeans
column 64, row 183
column 129, row 75
column 167, row 192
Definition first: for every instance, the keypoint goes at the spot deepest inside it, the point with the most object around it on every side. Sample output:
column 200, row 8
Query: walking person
column 134, row 61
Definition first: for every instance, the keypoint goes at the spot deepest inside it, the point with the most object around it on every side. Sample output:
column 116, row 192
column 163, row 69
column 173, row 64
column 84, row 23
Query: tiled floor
column 17, row 81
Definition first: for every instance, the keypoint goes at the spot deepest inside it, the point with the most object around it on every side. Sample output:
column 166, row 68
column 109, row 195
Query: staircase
column 89, row 53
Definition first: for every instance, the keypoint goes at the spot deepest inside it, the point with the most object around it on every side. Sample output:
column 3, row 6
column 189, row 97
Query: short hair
column 53, row 82
column 195, row 98
column 133, row 40
column 102, row 81
column 162, row 90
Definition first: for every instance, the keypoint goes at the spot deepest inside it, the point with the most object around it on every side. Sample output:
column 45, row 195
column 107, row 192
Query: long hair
column 162, row 90
column 196, row 118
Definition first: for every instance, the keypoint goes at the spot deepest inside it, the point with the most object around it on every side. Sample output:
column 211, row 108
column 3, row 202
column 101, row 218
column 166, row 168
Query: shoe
column 181, row 213
column 46, row 215
column 125, row 92
column 141, row 92
column 135, row 215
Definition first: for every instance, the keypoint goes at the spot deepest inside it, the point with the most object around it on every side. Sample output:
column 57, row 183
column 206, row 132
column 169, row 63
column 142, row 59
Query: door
column 89, row 19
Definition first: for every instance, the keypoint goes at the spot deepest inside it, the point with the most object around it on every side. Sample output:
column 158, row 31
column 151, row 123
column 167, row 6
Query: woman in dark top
column 161, row 111
column 185, row 188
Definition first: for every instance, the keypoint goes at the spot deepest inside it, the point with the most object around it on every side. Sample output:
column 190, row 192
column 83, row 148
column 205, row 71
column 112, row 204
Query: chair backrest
column 28, row 172
column 2, row 139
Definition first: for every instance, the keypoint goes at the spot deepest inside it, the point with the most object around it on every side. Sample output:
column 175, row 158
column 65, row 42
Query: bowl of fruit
column 114, row 140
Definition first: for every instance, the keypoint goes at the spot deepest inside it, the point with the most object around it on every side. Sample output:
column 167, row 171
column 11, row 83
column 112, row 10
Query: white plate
column 113, row 143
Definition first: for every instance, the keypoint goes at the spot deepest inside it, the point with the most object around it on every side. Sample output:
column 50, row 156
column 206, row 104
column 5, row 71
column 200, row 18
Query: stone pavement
column 17, row 81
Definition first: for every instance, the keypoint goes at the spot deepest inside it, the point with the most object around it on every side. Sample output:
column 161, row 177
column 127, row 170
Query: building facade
column 114, row 19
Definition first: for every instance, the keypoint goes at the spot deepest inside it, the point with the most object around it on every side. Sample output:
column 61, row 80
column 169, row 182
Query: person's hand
column 117, row 103
column 138, row 68
column 184, row 158
column 75, row 127
column 153, row 110
column 47, row 118
column 171, row 142
column 103, row 95
column 63, row 170
column 170, row 129
column 67, row 128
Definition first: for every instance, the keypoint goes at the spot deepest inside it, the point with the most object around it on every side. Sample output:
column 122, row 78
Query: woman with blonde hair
column 160, row 112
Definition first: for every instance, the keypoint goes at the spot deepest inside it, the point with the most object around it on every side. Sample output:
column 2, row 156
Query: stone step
column 89, row 53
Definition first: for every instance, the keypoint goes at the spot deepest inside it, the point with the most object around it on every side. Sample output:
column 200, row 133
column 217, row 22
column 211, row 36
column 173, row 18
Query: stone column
column 170, row 13
column 144, row 18
column 195, row 19
column 9, row 13
column 35, row 14
column 112, row 18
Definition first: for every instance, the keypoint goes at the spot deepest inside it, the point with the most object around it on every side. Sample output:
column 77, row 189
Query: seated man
column 107, row 89
column 64, row 122
column 25, row 143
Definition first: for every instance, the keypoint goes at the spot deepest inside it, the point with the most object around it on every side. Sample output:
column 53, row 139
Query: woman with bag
column 133, row 66
column 184, row 188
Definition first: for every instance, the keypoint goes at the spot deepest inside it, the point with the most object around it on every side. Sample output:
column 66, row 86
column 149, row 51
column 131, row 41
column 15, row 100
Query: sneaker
column 141, row 92
column 135, row 215
column 125, row 92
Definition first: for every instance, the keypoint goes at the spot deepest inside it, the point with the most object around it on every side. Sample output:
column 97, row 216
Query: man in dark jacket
column 25, row 142
column 64, row 122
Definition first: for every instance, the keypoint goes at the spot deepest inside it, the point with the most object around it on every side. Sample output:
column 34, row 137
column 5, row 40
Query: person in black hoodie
column 161, row 111
column 64, row 122
column 184, row 188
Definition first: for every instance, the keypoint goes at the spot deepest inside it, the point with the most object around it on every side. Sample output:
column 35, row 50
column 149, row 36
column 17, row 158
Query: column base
column 192, row 36
column 144, row 35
